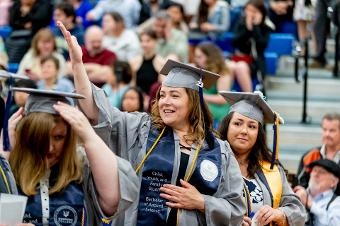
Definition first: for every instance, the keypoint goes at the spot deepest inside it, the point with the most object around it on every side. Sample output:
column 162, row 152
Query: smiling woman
column 267, row 194
column 199, row 187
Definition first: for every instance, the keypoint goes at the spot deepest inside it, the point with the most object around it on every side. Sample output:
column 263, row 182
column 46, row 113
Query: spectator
column 4, row 12
column 190, row 8
column 20, row 98
column 209, row 57
column 321, row 198
column 49, row 76
column 26, row 18
column 146, row 67
column 321, row 30
column 304, row 13
column 129, row 9
column 330, row 148
column 65, row 13
column 171, row 41
column 43, row 44
column 82, row 7
column 123, row 42
column 118, row 83
column 212, row 19
column 96, row 58
column 281, row 12
column 177, row 15
column 250, row 39
column 133, row 100
column 30, row 15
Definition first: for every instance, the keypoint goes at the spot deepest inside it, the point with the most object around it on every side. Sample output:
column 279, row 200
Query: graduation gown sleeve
column 128, row 183
column 124, row 133
column 290, row 204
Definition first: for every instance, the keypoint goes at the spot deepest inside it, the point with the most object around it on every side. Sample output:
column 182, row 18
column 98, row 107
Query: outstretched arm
column 81, row 80
column 103, row 161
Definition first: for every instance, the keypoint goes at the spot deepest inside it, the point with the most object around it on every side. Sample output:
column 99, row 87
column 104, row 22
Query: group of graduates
column 165, row 168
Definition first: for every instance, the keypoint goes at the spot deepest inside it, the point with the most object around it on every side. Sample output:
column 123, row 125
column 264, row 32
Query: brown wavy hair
column 259, row 152
column 28, row 157
column 215, row 60
column 196, row 116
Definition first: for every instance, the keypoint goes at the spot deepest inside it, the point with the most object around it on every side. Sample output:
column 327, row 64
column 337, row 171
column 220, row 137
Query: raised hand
column 74, row 48
column 12, row 124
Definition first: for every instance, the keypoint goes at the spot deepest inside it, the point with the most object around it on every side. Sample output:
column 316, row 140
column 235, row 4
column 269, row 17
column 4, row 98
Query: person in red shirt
column 96, row 58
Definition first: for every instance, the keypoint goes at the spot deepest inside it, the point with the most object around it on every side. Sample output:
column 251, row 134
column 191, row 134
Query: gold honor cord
column 277, row 123
column 247, row 199
column 149, row 152
column 5, row 179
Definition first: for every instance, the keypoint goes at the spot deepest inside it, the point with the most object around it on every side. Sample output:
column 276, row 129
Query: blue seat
column 13, row 67
column 271, row 62
column 5, row 31
column 280, row 43
column 226, row 42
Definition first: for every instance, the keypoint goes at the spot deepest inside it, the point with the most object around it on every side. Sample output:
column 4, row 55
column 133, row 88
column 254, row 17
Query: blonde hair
column 44, row 34
column 195, row 117
column 28, row 157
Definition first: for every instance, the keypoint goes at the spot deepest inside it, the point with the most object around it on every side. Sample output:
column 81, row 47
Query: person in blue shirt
column 321, row 197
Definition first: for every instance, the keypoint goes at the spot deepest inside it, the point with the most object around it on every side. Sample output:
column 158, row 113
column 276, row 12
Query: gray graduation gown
column 290, row 204
column 10, row 178
column 126, row 134
column 127, row 178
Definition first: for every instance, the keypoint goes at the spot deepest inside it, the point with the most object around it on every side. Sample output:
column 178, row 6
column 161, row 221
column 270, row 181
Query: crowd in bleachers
column 126, row 43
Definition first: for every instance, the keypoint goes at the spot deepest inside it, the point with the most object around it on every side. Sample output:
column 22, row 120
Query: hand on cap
column 74, row 48
column 12, row 124
column 76, row 119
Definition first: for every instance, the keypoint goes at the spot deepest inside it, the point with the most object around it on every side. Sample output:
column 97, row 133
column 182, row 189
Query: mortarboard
column 43, row 100
column 187, row 76
column 254, row 106
column 9, row 79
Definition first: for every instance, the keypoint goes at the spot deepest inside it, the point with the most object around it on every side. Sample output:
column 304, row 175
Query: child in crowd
column 133, row 100
column 49, row 76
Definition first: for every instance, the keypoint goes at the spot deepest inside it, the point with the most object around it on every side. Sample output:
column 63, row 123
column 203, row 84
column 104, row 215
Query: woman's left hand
column 185, row 197
column 267, row 214
column 76, row 119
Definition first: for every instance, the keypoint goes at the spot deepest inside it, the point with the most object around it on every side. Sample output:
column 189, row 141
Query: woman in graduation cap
column 65, row 185
column 267, row 194
column 187, row 176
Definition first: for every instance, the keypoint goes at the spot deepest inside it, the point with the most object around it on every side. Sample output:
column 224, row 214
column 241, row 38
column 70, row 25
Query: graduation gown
column 66, row 207
column 7, row 181
column 127, row 134
column 290, row 204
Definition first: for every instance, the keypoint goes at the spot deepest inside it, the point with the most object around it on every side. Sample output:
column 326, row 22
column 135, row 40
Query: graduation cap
column 251, row 105
column 180, row 75
column 10, row 78
column 43, row 100
column 187, row 76
column 254, row 106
